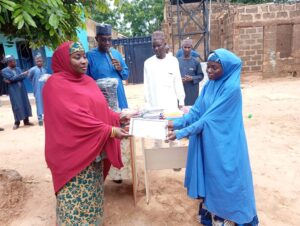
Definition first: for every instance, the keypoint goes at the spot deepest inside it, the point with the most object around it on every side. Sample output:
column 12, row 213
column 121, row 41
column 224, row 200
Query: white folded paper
column 149, row 128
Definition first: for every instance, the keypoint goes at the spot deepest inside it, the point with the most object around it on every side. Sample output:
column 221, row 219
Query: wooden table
column 156, row 158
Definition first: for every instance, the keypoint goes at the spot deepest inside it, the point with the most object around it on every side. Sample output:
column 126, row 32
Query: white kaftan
column 163, row 88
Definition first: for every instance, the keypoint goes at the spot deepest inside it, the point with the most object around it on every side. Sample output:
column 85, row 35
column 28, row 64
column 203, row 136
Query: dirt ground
column 273, row 134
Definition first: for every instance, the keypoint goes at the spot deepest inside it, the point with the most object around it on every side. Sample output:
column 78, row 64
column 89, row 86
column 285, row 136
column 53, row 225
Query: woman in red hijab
column 81, row 134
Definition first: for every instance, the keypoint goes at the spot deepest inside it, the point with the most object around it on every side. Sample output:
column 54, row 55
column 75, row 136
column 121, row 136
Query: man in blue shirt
column 34, row 75
column 194, row 53
column 107, row 62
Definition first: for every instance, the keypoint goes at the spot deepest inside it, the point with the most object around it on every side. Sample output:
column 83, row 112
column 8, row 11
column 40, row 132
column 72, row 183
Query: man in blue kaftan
column 3, row 85
column 35, row 73
column 107, row 62
column 14, row 77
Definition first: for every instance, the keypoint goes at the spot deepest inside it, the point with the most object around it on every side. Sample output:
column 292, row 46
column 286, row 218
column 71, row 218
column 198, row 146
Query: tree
column 110, row 16
column 134, row 18
column 142, row 16
column 46, row 22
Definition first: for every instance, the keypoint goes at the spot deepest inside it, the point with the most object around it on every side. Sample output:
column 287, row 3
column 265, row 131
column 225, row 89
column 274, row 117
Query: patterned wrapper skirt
column 125, row 172
column 81, row 200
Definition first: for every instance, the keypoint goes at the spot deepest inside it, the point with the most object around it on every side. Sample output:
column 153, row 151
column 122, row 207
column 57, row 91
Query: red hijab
column 77, row 122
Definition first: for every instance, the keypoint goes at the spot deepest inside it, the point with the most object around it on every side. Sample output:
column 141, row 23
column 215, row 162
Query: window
column 24, row 55
column 284, row 40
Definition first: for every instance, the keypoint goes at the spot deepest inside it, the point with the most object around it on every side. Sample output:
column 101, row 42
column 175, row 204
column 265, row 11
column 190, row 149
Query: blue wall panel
column 12, row 50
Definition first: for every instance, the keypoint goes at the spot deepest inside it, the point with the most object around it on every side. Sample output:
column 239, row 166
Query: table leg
column 133, row 167
column 146, row 172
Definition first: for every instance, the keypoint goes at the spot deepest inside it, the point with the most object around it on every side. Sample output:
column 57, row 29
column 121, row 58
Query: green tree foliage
column 110, row 16
column 134, row 17
column 142, row 16
column 45, row 22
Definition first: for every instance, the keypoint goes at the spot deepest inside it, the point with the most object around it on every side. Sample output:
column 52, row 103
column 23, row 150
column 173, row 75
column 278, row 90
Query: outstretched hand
column 170, row 125
column 124, row 120
column 171, row 135
column 121, row 133
column 25, row 73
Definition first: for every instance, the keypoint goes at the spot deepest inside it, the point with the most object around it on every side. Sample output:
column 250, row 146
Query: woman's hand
column 124, row 120
column 120, row 133
column 170, row 125
column 171, row 135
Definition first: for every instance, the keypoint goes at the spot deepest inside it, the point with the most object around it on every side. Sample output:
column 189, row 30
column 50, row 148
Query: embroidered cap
column 76, row 47
column 103, row 29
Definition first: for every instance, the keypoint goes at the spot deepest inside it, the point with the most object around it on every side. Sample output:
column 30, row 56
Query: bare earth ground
column 274, row 146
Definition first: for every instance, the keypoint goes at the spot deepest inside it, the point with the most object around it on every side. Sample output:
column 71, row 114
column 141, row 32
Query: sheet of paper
column 148, row 128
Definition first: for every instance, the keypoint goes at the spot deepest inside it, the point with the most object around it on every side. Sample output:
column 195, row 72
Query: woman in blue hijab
column 218, row 167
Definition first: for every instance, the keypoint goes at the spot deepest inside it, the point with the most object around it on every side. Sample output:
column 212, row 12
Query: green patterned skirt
column 81, row 201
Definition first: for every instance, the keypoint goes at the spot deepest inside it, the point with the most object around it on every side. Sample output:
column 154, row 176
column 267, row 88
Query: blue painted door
column 137, row 50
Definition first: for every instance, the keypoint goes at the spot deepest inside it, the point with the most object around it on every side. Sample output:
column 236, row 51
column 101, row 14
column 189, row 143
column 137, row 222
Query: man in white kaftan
column 163, row 88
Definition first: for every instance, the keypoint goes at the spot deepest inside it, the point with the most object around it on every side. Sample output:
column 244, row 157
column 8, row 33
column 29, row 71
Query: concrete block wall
column 279, row 26
column 249, row 47
column 268, row 13
column 222, row 26
column 296, row 48
column 265, row 36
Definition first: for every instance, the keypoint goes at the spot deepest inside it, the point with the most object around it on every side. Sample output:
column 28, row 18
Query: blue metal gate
column 137, row 50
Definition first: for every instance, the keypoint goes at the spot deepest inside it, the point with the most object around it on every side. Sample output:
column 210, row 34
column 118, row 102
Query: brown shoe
column 28, row 124
column 1, row 129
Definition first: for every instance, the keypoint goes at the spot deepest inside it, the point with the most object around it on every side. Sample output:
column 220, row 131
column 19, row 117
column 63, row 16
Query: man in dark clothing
column 191, row 73
column 3, row 85
column 14, row 77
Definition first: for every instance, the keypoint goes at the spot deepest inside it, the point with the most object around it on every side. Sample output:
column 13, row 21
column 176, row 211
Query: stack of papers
column 152, row 114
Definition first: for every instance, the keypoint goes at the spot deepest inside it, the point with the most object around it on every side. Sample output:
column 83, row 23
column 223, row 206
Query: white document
column 148, row 128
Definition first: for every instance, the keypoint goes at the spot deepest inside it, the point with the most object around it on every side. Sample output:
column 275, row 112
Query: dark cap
column 103, row 29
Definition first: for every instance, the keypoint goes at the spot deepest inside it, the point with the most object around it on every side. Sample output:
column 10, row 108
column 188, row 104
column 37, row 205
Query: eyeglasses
column 105, row 40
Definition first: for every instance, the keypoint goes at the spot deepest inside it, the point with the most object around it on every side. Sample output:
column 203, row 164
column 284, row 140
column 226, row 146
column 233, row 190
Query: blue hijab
column 218, row 167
